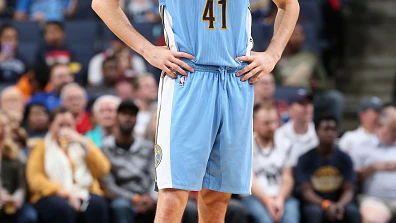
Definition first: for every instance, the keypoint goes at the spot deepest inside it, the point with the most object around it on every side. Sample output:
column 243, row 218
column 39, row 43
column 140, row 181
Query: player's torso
column 214, row 31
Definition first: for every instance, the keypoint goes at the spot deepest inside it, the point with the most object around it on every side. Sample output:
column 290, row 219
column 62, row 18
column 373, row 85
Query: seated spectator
column 12, row 65
column 326, row 177
column 60, row 76
column 12, row 102
column 36, row 122
column 264, row 90
column 302, row 68
column 63, row 173
column 75, row 99
column 34, row 81
column 272, row 180
column 130, row 182
column 12, row 180
column 45, row 10
column 263, row 11
column 111, row 75
column 368, row 114
column 105, row 111
column 146, row 90
column 375, row 164
column 95, row 72
column 141, row 11
column 300, row 130
column 7, row 8
column 54, row 49
column 125, row 90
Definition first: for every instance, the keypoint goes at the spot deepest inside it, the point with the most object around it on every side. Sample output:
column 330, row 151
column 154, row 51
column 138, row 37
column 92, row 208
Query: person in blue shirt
column 60, row 76
column 326, row 178
column 204, row 129
column 45, row 10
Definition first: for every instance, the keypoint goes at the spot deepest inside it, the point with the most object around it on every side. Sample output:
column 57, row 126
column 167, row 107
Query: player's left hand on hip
column 260, row 64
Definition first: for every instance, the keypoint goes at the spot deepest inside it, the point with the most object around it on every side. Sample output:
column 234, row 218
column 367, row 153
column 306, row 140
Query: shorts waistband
column 199, row 67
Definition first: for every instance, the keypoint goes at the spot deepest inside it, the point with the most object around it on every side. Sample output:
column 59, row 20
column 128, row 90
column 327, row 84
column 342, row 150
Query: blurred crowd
column 77, row 138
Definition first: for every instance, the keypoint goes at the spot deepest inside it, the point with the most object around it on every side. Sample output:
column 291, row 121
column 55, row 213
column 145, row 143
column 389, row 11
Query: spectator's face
column 297, row 38
column 301, row 112
column 107, row 114
column 124, row 60
column 10, row 37
column 265, row 122
column 388, row 133
column 327, row 132
column 117, row 46
column 369, row 118
column 12, row 102
column 125, row 90
column 60, row 77
column 75, row 100
column 54, row 35
column 110, row 71
column 148, row 89
column 126, row 121
column 38, row 118
column 265, row 87
column 62, row 120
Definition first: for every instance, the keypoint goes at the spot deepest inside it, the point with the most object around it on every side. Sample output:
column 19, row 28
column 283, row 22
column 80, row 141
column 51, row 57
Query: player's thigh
column 374, row 210
column 186, row 129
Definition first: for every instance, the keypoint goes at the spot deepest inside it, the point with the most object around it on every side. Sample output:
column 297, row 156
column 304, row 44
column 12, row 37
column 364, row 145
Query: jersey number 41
column 209, row 17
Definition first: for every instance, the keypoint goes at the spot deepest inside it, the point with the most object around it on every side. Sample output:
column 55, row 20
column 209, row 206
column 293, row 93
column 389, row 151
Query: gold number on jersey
column 209, row 17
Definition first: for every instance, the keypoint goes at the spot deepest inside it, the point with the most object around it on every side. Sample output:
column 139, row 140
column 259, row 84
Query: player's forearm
column 285, row 21
column 113, row 16
column 310, row 196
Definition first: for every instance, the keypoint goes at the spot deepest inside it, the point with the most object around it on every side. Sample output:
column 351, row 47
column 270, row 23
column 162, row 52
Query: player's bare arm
column 262, row 63
column 113, row 16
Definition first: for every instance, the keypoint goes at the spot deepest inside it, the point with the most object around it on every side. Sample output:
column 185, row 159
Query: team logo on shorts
column 158, row 155
column 182, row 81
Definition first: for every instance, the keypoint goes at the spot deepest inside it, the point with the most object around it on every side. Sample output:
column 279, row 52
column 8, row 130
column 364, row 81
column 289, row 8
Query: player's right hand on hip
column 168, row 61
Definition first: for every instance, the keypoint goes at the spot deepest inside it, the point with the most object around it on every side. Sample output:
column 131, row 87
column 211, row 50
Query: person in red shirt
column 75, row 99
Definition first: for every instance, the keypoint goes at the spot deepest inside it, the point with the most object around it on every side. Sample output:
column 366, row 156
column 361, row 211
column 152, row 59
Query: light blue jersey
column 214, row 31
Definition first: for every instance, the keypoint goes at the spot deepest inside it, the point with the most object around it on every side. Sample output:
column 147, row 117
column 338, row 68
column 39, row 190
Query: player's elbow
column 96, row 5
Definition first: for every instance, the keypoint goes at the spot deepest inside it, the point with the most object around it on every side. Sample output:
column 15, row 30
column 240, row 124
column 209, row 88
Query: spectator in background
column 63, row 173
column 130, row 182
column 45, row 10
column 12, row 180
column 368, row 114
column 34, row 81
column 263, row 11
column 54, row 49
column 36, row 123
column 273, row 181
column 75, row 99
column 12, row 102
column 375, row 164
column 141, row 11
column 326, row 177
column 264, row 90
column 60, row 76
column 300, row 131
column 7, row 8
column 110, row 77
column 146, row 89
column 105, row 111
column 12, row 65
column 95, row 72
column 125, row 90
column 301, row 68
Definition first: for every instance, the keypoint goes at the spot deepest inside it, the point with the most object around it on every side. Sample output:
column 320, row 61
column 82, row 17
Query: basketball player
column 204, row 127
